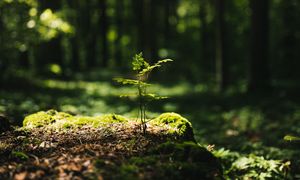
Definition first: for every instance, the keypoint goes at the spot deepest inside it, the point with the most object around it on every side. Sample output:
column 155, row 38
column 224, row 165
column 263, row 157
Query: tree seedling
column 142, row 70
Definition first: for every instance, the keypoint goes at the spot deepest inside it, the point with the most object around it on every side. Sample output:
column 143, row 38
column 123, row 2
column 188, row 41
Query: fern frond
column 150, row 97
column 130, row 82
column 128, row 95
column 156, row 65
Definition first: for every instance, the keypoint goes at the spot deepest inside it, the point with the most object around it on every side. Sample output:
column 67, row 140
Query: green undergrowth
column 251, row 166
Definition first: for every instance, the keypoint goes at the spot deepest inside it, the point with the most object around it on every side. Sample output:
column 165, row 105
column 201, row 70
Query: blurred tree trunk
column 167, row 14
column 51, row 51
column 140, row 9
column 170, row 18
column 152, row 30
column 259, row 75
column 104, row 28
column 2, row 58
column 91, row 35
column 204, row 34
column 75, row 65
column 221, row 61
column 289, row 41
column 119, row 23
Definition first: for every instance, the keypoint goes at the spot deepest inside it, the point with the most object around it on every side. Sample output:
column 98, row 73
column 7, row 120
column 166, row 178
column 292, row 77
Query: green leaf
column 19, row 155
column 150, row 97
column 139, row 63
column 130, row 81
column 291, row 138
column 156, row 65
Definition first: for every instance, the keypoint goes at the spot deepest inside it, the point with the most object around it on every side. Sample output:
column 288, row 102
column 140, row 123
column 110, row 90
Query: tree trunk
column 259, row 75
column 204, row 34
column 221, row 61
column 120, row 30
column 289, row 42
column 75, row 64
column 167, row 14
column 51, row 51
column 141, row 25
column 91, row 35
column 152, row 30
column 104, row 28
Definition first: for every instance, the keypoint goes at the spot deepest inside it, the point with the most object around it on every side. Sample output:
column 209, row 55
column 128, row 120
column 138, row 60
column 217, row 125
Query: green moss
column 128, row 172
column 61, row 120
column 44, row 118
column 184, row 151
column 113, row 118
column 143, row 161
column 19, row 155
column 177, row 124
column 170, row 160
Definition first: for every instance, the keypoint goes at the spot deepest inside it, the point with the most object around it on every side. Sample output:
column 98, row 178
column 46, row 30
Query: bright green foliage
column 291, row 138
column 61, row 120
column 238, row 166
column 176, row 123
column 43, row 118
column 19, row 155
column 142, row 69
column 138, row 63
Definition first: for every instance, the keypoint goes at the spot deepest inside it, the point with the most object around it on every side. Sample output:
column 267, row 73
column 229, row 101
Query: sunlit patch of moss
column 44, row 118
column 113, row 118
column 61, row 120
column 99, row 120
column 176, row 123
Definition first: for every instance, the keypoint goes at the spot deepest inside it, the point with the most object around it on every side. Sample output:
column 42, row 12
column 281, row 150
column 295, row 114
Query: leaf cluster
column 142, row 70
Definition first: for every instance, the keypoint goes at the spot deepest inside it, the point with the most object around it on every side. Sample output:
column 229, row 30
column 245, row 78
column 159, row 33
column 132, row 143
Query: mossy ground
column 176, row 124
column 58, row 145
column 60, row 120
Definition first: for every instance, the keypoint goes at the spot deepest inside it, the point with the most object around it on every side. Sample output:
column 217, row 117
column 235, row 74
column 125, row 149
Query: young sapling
column 142, row 71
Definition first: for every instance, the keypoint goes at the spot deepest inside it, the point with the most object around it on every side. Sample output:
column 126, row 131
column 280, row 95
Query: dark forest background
column 247, row 44
column 235, row 73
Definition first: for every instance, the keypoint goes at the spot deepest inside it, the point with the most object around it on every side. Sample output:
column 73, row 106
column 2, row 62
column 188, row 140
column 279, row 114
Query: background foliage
column 235, row 74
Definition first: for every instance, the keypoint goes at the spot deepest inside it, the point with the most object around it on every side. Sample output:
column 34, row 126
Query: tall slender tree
column 92, row 34
column 104, row 29
column 204, row 33
column 259, row 73
column 51, row 51
column 119, row 20
column 221, row 61
column 289, row 40
column 153, row 29
column 167, row 14
column 140, row 9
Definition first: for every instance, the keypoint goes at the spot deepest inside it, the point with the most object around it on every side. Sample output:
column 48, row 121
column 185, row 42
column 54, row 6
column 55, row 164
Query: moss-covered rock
column 62, row 120
column 177, row 124
column 170, row 160
column 189, row 160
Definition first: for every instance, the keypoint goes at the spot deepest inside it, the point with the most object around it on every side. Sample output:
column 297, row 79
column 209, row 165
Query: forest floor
column 246, row 131
column 114, row 152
